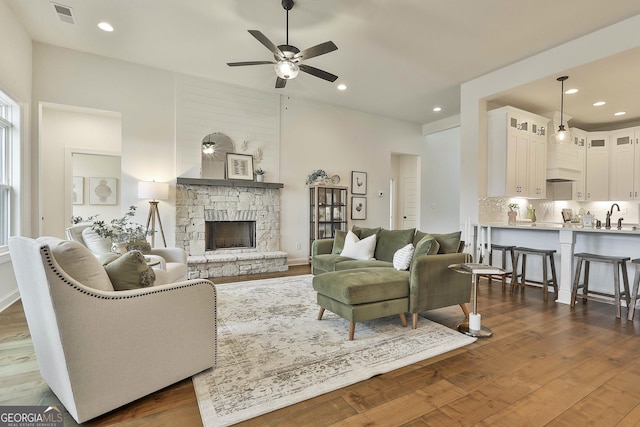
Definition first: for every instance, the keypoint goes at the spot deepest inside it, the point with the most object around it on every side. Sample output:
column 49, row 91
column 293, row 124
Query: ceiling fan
column 288, row 58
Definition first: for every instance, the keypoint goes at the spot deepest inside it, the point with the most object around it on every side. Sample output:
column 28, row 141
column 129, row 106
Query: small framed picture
column 103, row 191
column 77, row 191
column 358, row 182
column 358, row 208
column 239, row 166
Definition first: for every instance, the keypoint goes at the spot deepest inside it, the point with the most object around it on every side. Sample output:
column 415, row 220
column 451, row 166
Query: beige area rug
column 273, row 352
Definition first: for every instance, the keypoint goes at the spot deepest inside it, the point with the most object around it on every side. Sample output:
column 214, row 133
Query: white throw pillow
column 96, row 244
column 402, row 257
column 359, row 249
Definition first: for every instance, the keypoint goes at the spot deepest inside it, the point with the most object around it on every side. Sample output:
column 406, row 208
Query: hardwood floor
column 547, row 364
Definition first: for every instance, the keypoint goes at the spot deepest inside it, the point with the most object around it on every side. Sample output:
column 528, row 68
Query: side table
column 473, row 327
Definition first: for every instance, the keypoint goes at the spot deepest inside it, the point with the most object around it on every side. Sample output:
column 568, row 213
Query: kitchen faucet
column 607, row 224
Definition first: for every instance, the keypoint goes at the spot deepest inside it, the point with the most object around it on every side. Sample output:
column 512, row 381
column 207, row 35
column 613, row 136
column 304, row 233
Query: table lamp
column 154, row 191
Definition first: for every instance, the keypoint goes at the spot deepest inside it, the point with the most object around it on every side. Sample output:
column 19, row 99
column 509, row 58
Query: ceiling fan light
column 286, row 70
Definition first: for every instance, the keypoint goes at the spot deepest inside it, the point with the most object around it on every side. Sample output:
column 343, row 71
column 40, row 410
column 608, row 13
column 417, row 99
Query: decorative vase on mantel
column 512, row 217
column 260, row 178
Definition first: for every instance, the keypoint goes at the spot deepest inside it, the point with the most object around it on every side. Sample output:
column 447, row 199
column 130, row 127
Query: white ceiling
column 398, row 58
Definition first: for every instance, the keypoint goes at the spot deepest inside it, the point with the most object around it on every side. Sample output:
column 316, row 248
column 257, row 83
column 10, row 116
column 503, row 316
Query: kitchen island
column 567, row 239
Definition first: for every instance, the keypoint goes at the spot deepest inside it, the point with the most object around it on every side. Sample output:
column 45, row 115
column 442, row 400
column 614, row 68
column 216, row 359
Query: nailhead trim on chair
column 49, row 257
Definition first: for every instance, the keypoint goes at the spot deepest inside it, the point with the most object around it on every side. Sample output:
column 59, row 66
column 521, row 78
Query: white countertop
column 526, row 225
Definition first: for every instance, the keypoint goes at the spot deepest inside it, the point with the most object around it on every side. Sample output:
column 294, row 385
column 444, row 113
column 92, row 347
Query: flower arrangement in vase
column 513, row 213
column 259, row 175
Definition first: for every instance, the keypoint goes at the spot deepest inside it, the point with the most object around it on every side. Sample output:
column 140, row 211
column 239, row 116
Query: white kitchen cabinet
column 621, row 184
column 579, row 140
column 597, row 171
column 517, row 153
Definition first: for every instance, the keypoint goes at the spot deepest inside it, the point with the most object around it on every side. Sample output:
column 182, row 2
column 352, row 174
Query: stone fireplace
column 229, row 228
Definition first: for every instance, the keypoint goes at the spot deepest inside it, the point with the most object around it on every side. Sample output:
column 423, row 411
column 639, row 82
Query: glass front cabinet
column 328, row 211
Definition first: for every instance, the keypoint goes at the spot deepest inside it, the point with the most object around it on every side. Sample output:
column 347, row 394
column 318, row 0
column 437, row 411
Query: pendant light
column 561, row 134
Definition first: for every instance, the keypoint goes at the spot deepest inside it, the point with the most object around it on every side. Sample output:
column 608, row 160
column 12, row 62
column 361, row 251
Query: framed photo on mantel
column 358, row 182
column 239, row 166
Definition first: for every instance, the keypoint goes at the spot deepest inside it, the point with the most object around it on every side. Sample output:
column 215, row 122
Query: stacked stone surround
column 201, row 200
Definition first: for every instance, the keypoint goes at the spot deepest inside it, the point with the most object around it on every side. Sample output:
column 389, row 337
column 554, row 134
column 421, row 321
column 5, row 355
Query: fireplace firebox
column 230, row 234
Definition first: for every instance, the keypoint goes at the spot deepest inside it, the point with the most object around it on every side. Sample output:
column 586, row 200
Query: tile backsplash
column 494, row 209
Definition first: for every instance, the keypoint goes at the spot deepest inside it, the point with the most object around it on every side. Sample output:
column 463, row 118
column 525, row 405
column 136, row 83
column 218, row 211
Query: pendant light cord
column 561, row 102
column 287, row 26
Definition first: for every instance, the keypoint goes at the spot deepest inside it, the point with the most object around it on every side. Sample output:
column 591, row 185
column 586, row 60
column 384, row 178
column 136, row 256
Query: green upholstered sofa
column 360, row 290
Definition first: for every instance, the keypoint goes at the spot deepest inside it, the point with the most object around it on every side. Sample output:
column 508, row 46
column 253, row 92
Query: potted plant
column 124, row 233
column 260, row 175
column 317, row 176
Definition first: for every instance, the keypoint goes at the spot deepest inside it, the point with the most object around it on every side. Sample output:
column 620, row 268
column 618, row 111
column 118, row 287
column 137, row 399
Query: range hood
column 563, row 163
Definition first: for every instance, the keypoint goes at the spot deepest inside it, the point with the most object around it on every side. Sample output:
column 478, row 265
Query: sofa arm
column 321, row 246
column 433, row 285
column 171, row 254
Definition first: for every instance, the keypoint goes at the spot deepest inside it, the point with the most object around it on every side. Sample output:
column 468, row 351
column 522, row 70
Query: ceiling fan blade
column 267, row 43
column 280, row 83
column 318, row 73
column 240, row 64
column 317, row 50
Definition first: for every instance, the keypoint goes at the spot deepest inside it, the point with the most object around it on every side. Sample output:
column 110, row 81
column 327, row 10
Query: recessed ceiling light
column 105, row 26
column 437, row 109
column 342, row 86
column 599, row 104
column 620, row 113
column 571, row 91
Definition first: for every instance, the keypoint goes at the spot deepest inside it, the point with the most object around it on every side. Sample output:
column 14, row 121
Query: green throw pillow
column 363, row 233
column 130, row 271
column 338, row 242
column 389, row 241
column 433, row 248
column 427, row 246
column 449, row 243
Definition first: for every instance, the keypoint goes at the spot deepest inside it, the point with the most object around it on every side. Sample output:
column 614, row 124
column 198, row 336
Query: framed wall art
column 103, row 191
column 358, row 182
column 358, row 208
column 239, row 166
column 77, row 190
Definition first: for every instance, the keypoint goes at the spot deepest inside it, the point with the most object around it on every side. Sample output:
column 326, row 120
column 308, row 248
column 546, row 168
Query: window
column 8, row 121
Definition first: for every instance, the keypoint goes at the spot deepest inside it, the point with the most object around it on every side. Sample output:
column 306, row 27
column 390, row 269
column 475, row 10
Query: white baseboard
column 298, row 261
column 9, row 299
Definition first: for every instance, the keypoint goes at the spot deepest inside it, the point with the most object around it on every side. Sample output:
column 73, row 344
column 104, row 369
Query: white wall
column 15, row 81
column 64, row 130
column 145, row 99
column 473, row 160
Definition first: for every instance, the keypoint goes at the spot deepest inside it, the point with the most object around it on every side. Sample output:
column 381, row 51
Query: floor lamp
column 154, row 191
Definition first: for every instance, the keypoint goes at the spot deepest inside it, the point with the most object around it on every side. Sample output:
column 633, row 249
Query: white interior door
column 409, row 202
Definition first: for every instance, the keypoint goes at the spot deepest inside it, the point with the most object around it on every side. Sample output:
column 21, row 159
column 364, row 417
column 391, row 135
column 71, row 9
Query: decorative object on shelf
column 531, row 213
column 513, row 213
column 122, row 231
column 358, row 182
column 239, row 166
column 358, row 208
column 561, row 134
column 260, row 175
column 103, row 191
column 258, row 155
column 78, row 190
column 316, row 177
column 154, row 191
column 335, row 179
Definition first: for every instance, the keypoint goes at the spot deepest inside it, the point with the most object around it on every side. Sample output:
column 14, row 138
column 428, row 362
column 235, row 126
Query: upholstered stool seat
column 548, row 266
column 363, row 294
column 634, row 292
column 618, row 263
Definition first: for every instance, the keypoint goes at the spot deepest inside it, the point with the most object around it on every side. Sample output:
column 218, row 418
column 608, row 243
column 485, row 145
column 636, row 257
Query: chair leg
column 625, row 283
column 403, row 319
column 514, row 273
column 585, row 284
column 414, row 320
column 576, row 283
column 634, row 295
column 616, row 290
column 545, row 279
column 465, row 310
column 320, row 313
column 554, row 277
column 352, row 330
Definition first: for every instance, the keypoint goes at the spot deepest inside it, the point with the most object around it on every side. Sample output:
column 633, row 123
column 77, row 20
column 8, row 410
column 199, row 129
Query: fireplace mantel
column 228, row 183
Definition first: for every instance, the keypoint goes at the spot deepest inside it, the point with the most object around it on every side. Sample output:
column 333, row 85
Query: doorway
column 405, row 191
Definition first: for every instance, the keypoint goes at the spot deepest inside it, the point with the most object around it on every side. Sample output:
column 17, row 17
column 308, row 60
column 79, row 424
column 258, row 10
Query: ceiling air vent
column 65, row 13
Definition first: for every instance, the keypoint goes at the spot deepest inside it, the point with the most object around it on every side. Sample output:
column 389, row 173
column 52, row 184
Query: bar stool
column 503, row 249
column 547, row 258
column 634, row 293
column 618, row 263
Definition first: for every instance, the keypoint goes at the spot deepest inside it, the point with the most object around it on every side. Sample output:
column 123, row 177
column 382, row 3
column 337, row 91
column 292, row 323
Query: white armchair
column 100, row 349
column 173, row 261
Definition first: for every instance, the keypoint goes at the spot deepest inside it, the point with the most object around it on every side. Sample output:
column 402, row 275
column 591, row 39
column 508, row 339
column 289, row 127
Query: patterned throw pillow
column 130, row 271
column 402, row 257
